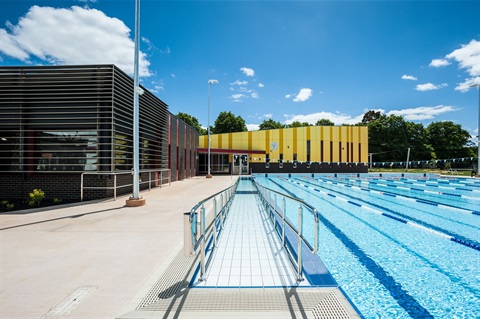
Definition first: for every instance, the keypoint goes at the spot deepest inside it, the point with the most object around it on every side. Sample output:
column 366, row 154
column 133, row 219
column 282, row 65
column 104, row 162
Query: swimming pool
column 399, row 246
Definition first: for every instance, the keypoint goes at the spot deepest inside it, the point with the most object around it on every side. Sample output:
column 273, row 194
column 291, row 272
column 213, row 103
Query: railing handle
column 300, row 259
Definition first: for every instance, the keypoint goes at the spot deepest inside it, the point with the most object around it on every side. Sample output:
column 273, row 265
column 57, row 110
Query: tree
column 449, row 140
column 371, row 116
column 270, row 124
column 324, row 122
column 227, row 122
column 388, row 138
column 299, row 124
column 192, row 121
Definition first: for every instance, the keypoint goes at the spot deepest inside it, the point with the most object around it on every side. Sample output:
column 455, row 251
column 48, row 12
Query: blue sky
column 286, row 60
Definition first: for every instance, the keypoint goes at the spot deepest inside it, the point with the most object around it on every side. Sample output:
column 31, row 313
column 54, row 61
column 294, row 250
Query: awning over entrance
column 229, row 151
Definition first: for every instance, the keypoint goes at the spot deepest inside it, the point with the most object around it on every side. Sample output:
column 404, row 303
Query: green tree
column 299, row 124
column 227, row 122
column 324, row 122
column 370, row 116
column 270, row 124
column 388, row 138
column 449, row 140
column 192, row 121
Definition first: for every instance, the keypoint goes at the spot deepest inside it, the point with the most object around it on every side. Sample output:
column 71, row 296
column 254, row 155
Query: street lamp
column 477, row 85
column 136, row 199
column 208, row 127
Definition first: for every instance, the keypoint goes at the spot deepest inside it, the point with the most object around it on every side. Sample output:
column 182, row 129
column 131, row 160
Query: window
column 308, row 150
column 62, row 151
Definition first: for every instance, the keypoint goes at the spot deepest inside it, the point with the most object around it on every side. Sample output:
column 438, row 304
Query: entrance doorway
column 240, row 164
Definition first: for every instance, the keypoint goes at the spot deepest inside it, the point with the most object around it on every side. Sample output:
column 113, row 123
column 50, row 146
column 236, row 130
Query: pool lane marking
column 423, row 190
column 403, row 197
column 463, row 210
column 426, row 184
column 431, row 181
column 395, row 289
column 404, row 221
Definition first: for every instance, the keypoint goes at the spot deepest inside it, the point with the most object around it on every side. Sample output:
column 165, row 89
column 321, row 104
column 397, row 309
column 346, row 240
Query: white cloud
column 261, row 85
column 468, row 57
column 247, row 71
column 166, row 51
column 411, row 114
column 437, row 63
column 173, row 75
column 467, row 85
column 253, row 127
column 409, row 77
column 72, row 36
column 238, row 82
column 430, row 86
column 288, row 96
column 255, row 95
column 423, row 112
column 337, row 118
column 268, row 115
column 237, row 96
column 303, row 95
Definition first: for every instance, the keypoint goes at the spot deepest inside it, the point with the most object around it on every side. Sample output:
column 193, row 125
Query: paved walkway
column 46, row 256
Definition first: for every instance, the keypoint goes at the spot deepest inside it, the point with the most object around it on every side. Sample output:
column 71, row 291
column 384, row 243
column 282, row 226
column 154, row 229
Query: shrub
column 7, row 205
column 57, row 201
column 36, row 197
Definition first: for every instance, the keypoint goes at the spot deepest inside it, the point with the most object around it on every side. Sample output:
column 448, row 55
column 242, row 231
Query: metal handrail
column 266, row 196
column 201, row 235
column 115, row 187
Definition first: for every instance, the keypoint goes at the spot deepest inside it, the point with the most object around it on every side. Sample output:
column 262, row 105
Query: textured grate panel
column 198, row 299
column 171, row 282
column 330, row 308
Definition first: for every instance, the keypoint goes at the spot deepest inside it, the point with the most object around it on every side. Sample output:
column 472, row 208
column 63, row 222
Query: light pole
column 208, row 127
column 478, row 129
column 136, row 199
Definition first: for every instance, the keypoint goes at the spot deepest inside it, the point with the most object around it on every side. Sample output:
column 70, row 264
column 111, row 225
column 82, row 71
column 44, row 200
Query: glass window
column 61, row 150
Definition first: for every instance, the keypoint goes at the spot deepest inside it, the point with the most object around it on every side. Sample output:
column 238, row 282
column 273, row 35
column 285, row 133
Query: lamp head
column 212, row 81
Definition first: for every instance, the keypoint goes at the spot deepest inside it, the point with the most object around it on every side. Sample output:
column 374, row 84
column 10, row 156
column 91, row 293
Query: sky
column 284, row 60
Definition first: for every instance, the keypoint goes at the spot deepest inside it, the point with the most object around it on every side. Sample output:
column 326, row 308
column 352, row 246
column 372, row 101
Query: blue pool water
column 400, row 247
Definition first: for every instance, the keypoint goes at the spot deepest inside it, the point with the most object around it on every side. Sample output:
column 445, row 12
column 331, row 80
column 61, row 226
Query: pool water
column 389, row 241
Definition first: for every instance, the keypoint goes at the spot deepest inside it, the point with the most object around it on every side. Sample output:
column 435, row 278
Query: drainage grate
column 172, row 280
column 71, row 302
column 330, row 308
column 244, row 299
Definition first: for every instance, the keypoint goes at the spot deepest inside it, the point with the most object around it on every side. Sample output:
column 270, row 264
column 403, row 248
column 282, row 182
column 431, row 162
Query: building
column 58, row 123
column 310, row 149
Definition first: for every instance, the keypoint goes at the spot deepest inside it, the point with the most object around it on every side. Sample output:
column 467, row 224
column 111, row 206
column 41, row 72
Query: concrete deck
column 105, row 248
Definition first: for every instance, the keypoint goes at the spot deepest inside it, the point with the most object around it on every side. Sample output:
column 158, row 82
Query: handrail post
column 283, row 219
column 214, row 222
column 222, row 211
column 202, row 245
column 81, row 187
column 114, row 187
column 300, row 226
column 274, row 209
column 315, row 214
column 187, row 235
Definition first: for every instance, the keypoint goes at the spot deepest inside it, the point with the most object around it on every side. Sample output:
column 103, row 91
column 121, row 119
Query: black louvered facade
column 57, row 122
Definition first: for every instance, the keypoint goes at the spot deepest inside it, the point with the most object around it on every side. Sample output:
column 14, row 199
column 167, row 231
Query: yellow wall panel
column 294, row 140
column 334, row 151
column 288, row 146
column 326, row 133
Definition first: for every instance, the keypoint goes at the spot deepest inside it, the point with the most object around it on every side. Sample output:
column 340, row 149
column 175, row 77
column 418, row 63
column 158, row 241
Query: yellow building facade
column 317, row 148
